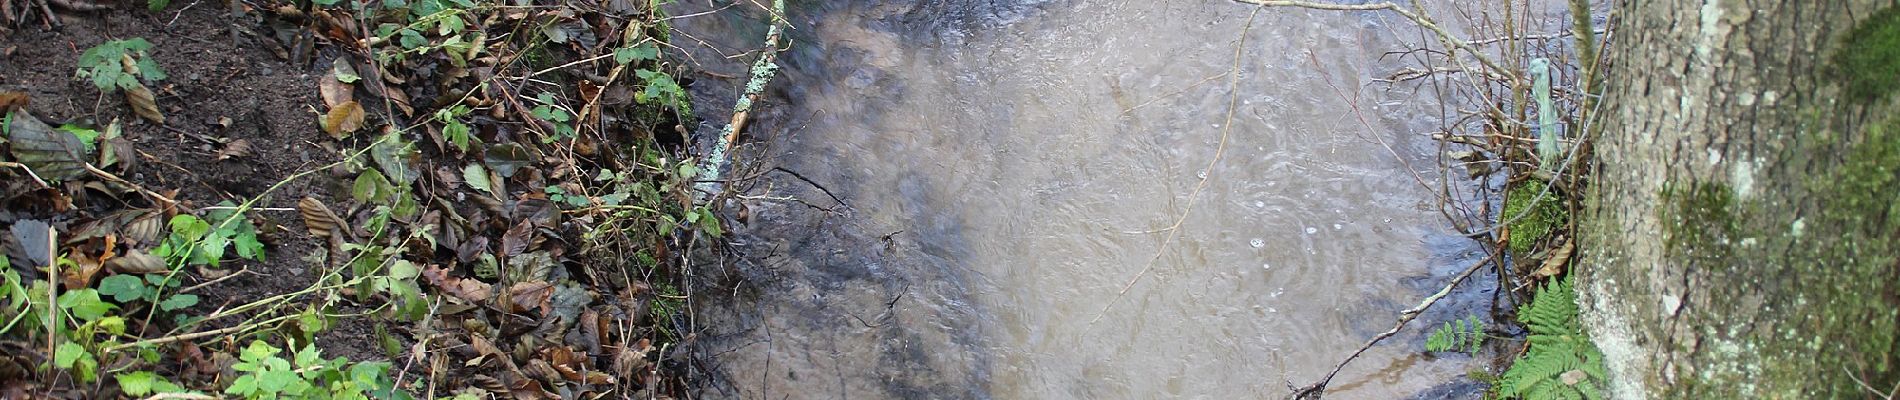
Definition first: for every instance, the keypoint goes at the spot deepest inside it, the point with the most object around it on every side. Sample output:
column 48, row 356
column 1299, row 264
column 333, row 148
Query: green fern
column 1562, row 363
column 1463, row 335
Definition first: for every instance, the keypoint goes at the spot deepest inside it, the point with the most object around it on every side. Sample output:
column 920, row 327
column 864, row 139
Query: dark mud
column 219, row 89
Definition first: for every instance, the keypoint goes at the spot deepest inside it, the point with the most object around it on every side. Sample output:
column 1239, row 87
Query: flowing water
column 1007, row 168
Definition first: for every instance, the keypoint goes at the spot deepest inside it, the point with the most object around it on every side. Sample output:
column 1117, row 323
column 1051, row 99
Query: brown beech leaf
column 144, row 103
column 142, row 230
column 334, row 91
column 526, row 296
column 12, row 99
column 234, row 149
column 79, row 274
column 1554, row 265
column 318, row 218
column 343, row 120
column 516, row 239
column 137, row 262
column 470, row 290
column 539, row 369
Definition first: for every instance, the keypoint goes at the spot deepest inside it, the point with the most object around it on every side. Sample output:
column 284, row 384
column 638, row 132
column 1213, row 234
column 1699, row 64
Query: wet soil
column 221, row 87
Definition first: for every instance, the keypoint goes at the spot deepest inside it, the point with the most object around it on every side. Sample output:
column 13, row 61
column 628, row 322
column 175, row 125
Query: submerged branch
column 1317, row 389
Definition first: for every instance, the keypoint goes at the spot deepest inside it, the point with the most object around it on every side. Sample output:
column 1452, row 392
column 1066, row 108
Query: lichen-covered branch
column 762, row 72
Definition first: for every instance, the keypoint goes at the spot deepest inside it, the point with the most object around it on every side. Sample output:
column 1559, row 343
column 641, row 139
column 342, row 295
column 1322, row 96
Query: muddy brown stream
column 1007, row 168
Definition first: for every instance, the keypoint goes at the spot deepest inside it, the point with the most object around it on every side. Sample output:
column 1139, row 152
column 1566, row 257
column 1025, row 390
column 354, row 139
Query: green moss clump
column 1867, row 64
column 1699, row 222
column 1535, row 218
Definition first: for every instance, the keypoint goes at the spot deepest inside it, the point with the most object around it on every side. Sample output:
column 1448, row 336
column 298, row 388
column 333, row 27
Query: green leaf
column 258, row 351
column 411, row 39
column 645, row 51
column 189, row 227
column 245, row 385
column 477, row 177
column 371, row 188
column 122, row 288
column 148, row 68
column 89, row 137
column 178, row 302
column 85, row 304
column 137, row 383
column 449, row 25
column 457, row 133
column 67, row 355
column 397, row 158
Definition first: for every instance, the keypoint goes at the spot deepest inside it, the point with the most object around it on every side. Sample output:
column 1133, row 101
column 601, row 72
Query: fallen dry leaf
column 470, row 290
column 79, row 274
column 343, row 120
column 234, row 149
column 142, row 230
column 137, row 262
column 10, row 100
column 144, row 103
column 52, row 154
column 334, row 91
column 1554, row 265
column 526, row 296
column 318, row 218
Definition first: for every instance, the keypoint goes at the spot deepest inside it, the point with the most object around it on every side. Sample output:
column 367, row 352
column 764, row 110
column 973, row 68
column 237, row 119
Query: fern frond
column 1558, row 346
column 1464, row 335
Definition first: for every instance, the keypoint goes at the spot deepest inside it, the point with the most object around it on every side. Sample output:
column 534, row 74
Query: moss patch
column 1814, row 288
column 1699, row 222
column 1867, row 65
column 1534, row 218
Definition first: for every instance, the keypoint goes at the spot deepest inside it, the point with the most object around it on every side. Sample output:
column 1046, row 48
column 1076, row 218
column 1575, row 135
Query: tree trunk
column 1741, row 234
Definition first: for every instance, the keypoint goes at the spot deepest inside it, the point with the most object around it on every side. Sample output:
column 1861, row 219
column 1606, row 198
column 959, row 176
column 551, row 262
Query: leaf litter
column 490, row 249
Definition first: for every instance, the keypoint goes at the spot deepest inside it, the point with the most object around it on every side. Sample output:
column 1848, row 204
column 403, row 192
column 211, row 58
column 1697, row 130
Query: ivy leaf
column 178, row 302
column 123, row 288
column 85, row 304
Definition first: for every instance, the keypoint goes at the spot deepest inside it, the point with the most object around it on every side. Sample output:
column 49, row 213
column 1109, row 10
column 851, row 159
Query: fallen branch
column 1315, row 390
column 762, row 72
column 1444, row 36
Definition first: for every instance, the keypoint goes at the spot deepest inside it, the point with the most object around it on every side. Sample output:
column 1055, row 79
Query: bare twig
column 1443, row 35
column 1226, row 128
column 1317, row 389
column 29, row 173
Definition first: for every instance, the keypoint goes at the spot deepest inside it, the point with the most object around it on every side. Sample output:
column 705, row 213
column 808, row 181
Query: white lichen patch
column 1741, row 176
column 1711, row 30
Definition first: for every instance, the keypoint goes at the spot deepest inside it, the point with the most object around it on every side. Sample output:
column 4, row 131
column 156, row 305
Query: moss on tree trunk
column 1744, row 221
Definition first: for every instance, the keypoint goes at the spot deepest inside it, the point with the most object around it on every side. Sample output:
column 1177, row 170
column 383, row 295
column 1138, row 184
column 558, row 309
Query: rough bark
column 1740, row 239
